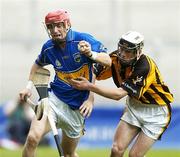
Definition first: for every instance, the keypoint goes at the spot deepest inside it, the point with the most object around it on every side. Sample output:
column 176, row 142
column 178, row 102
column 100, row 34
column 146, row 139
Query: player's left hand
column 80, row 83
column 86, row 108
column 85, row 48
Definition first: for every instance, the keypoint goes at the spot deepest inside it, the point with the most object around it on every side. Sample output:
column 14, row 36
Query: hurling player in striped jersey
column 148, row 112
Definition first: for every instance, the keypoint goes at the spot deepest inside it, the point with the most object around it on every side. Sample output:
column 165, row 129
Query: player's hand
column 86, row 108
column 24, row 94
column 85, row 48
column 80, row 83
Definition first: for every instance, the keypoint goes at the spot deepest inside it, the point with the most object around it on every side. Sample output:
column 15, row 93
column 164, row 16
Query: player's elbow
column 119, row 94
column 104, row 59
column 117, row 97
column 107, row 62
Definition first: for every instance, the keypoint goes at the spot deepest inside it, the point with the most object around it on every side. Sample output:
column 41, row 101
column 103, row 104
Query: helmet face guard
column 127, row 45
column 129, row 48
column 127, row 61
column 60, row 19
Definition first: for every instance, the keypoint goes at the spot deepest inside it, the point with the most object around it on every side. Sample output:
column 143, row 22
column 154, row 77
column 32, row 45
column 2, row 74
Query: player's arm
column 112, row 93
column 34, row 68
column 101, row 57
column 26, row 92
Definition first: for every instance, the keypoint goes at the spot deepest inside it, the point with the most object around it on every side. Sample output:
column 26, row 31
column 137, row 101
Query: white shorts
column 70, row 121
column 152, row 119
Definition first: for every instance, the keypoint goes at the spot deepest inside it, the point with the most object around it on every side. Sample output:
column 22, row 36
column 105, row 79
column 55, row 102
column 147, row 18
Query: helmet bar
column 127, row 45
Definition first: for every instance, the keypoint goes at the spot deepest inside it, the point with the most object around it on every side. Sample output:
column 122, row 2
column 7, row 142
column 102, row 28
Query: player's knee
column 117, row 150
column 135, row 153
column 32, row 141
column 68, row 154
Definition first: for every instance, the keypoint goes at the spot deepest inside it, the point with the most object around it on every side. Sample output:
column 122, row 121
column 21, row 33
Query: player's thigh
column 124, row 134
column 69, row 144
column 39, row 127
column 142, row 144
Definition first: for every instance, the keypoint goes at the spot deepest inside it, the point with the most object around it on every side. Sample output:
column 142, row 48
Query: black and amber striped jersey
column 143, row 81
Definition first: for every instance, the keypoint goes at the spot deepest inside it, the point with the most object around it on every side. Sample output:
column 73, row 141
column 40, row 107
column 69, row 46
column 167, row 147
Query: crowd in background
column 15, row 119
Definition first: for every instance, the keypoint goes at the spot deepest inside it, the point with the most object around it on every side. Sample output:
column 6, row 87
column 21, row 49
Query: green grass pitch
column 49, row 152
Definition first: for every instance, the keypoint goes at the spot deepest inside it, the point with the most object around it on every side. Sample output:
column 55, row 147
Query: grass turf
column 49, row 152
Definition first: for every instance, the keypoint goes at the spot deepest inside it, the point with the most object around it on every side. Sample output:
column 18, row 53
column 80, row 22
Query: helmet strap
column 139, row 53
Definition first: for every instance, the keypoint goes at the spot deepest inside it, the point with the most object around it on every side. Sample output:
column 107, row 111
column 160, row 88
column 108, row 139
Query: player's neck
column 62, row 45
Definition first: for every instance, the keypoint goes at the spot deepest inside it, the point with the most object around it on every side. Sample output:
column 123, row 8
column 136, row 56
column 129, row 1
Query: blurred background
column 22, row 34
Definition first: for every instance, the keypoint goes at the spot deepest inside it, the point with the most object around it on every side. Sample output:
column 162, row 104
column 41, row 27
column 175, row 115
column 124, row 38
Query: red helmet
column 57, row 16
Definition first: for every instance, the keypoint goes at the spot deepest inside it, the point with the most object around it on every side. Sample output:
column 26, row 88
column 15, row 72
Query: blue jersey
column 69, row 63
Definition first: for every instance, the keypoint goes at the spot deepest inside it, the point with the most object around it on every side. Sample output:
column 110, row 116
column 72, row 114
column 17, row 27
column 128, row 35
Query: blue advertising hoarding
column 100, row 129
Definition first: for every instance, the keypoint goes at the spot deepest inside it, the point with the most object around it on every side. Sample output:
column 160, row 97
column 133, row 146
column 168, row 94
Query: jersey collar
column 70, row 36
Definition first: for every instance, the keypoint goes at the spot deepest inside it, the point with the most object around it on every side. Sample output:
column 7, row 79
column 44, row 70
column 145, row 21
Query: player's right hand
column 24, row 94
column 85, row 48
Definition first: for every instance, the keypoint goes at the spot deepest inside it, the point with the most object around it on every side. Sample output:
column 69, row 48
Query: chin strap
column 139, row 52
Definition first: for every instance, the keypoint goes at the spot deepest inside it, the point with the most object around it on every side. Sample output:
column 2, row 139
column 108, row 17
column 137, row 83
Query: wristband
column 93, row 55
column 29, row 85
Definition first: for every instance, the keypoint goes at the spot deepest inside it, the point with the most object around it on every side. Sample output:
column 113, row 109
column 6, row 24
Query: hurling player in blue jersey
column 72, row 55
